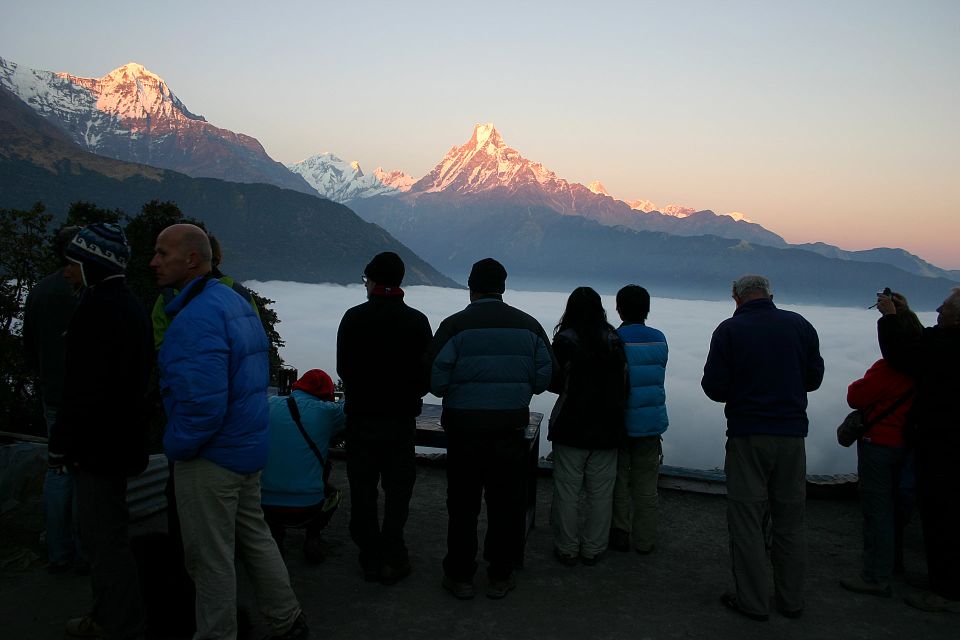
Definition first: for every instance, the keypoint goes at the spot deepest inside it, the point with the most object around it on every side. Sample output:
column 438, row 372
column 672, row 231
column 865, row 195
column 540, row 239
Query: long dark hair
column 586, row 316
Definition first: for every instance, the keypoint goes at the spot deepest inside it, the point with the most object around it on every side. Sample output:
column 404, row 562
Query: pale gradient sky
column 832, row 121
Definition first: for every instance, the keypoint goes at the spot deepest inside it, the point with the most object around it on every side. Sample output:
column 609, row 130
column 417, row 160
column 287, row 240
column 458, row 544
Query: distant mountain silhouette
column 544, row 250
column 267, row 233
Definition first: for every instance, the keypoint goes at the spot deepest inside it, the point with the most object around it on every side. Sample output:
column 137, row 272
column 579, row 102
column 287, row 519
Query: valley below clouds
column 310, row 315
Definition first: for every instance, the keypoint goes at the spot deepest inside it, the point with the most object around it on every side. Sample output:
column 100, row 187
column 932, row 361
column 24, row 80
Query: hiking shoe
column 729, row 600
column 564, row 559
column 497, row 589
column 459, row 590
column 84, row 627
column 390, row 575
column 298, row 631
column 930, row 601
column 859, row 585
column 917, row 581
column 619, row 540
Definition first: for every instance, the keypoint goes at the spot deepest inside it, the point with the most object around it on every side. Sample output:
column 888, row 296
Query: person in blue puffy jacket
column 638, row 464
column 294, row 491
column 214, row 373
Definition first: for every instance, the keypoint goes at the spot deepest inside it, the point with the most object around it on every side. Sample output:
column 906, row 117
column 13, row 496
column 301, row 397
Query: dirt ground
column 672, row 593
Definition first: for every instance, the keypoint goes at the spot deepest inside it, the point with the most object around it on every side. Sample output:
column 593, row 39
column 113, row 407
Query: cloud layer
column 310, row 315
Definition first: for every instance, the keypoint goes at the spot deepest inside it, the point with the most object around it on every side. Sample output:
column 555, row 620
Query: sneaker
column 390, row 575
column 497, row 589
column 860, row 585
column 298, row 631
column 56, row 568
column 459, row 590
column 729, row 600
column 930, row 601
column 564, row 559
column 84, row 627
column 645, row 550
column 793, row 614
column 917, row 581
column 619, row 540
column 589, row 561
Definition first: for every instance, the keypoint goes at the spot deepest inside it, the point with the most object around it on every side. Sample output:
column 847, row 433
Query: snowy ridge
column 131, row 114
column 485, row 163
column 343, row 181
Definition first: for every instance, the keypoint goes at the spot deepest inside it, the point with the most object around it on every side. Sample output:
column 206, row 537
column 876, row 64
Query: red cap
column 317, row 383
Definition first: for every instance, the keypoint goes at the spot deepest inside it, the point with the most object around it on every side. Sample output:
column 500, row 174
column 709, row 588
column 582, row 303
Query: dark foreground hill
column 268, row 233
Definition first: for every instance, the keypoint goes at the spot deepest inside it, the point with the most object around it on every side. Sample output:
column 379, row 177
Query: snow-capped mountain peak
column 343, row 181
column 483, row 163
column 597, row 187
column 131, row 114
column 132, row 93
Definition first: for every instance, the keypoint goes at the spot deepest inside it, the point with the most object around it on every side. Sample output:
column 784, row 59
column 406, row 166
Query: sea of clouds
column 310, row 315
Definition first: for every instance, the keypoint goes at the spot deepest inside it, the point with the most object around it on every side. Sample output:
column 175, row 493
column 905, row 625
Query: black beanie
column 385, row 269
column 487, row 276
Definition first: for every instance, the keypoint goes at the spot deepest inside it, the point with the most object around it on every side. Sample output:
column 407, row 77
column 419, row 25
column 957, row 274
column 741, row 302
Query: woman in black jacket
column 586, row 426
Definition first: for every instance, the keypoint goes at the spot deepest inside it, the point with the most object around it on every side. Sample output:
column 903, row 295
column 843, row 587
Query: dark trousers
column 938, row 485
column 878, row 468
column 380, row 453
column 488, row 466
column 279, row 519
column 103, row 515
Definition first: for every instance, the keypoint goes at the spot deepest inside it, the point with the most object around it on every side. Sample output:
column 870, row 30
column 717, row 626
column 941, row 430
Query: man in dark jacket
column 46, row 316
column 100, row 429
column 762, row 363
column 932, row 360
column 487, row 362
column 380, row 348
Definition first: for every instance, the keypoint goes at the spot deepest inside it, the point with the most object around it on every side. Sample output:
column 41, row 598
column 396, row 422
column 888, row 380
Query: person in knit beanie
column 100, row 431
column 101, row 251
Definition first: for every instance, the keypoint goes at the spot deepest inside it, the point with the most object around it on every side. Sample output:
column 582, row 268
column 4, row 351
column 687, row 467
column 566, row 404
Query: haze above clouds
column 310, row 315
column 822, row 121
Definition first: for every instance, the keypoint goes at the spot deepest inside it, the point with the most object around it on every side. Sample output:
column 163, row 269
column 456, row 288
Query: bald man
column 213, row 380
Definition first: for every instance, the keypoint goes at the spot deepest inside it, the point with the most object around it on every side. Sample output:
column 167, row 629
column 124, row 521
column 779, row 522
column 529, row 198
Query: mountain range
column 485, row 168
column 268, row 233
column 131, row 114
column 482, row 198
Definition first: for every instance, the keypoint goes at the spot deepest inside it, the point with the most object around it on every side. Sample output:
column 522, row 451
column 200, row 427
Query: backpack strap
column 295, row 414
column 893, row 407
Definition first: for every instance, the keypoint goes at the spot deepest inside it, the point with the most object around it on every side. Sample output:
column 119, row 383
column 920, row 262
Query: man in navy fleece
column 762, row 363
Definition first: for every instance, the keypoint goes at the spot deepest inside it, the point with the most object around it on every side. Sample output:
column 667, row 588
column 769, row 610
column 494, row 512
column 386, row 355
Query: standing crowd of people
column 245, row 466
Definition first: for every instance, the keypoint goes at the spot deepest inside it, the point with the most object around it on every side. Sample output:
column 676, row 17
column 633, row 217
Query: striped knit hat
column 102, row 244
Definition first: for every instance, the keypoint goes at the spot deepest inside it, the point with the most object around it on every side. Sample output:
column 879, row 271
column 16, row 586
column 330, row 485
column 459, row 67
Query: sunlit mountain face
column 132, row 114
column 343, row 181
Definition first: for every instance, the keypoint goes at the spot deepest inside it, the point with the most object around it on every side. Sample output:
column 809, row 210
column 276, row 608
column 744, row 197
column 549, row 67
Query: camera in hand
column 884, row 292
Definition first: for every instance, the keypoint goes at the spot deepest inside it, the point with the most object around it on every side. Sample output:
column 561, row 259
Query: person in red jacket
column 885, row 396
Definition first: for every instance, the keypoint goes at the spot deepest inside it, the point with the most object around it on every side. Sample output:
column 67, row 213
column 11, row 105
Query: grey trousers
column 766, row 475
column 593, row 471
column 638, row 470
column 220, row 517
